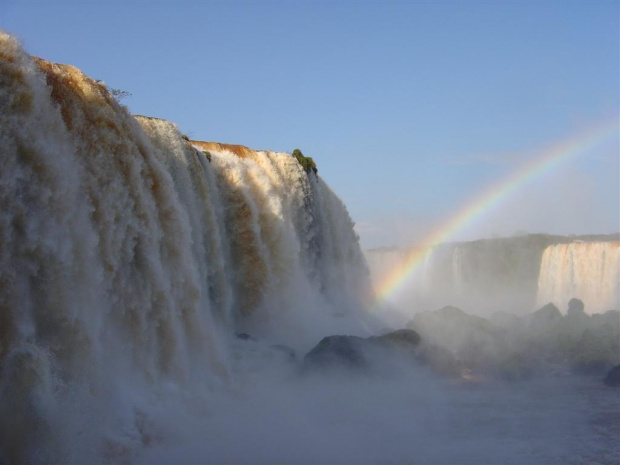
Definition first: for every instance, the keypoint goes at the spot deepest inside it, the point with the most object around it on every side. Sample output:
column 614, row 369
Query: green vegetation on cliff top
column 307, row 163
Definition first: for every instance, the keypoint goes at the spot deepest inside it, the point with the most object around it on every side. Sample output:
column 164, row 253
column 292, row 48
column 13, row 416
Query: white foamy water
column 407, row 418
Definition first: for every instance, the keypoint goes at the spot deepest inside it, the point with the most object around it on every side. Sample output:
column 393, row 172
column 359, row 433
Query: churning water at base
column 407, row 418
column 130, row 258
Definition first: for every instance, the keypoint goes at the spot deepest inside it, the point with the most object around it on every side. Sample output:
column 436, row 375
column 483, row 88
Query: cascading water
column 129, row 257
column 589, row 271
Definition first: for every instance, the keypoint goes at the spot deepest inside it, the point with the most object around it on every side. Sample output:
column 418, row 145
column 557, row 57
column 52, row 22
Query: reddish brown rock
column 240, row 150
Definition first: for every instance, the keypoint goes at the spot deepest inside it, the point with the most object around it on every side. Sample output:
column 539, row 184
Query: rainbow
column 551, row 157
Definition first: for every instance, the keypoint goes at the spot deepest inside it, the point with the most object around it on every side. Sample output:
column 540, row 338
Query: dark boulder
column 395, row 347
column 575, row 307
column 353, row 353
column 613, row 377
column 403, row 338
column 545, row 317
column 337, row 352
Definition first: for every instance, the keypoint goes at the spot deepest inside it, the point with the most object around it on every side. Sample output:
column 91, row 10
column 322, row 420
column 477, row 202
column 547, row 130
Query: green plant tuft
column 307, row 163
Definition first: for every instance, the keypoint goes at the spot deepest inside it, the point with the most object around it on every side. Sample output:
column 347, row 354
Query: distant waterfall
column 589, row 271
column 517, row 274
column 129, row 257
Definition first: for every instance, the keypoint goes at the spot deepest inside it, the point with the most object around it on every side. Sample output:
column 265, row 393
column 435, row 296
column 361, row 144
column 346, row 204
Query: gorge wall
column 517, row 274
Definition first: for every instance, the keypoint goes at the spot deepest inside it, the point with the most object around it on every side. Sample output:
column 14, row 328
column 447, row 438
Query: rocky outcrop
column 337, row 352
column 453, row 328
column 354, row 353
column 511, row 347
column 546, row 316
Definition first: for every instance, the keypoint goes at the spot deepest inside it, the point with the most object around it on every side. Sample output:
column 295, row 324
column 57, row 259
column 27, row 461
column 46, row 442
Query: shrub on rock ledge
column 307, row 163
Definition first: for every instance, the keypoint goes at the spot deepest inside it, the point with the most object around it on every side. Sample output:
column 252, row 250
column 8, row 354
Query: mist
column 394, row 412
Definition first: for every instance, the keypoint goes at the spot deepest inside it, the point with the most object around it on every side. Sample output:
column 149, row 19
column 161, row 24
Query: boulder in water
column 357, row 353
column 406, row 339
column 337, row 352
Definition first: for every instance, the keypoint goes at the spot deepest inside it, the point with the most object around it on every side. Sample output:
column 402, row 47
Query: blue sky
column 409, row 108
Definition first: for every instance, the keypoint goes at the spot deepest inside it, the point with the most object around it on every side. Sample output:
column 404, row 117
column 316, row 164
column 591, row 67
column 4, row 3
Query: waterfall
column 518, row 274
column 589, row 271
column 130, row 256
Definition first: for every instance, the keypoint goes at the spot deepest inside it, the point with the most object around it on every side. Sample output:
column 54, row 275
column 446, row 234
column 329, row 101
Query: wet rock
column 405, row 338
column 353, row 353
column 337, row 352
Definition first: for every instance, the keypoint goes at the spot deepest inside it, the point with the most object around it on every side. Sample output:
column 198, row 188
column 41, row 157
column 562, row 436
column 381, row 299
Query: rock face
column 354, row 353
column 613, row 377
column 240, row 150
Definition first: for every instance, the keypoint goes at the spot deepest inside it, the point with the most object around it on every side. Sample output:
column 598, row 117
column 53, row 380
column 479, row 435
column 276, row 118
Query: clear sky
column 411, row 109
